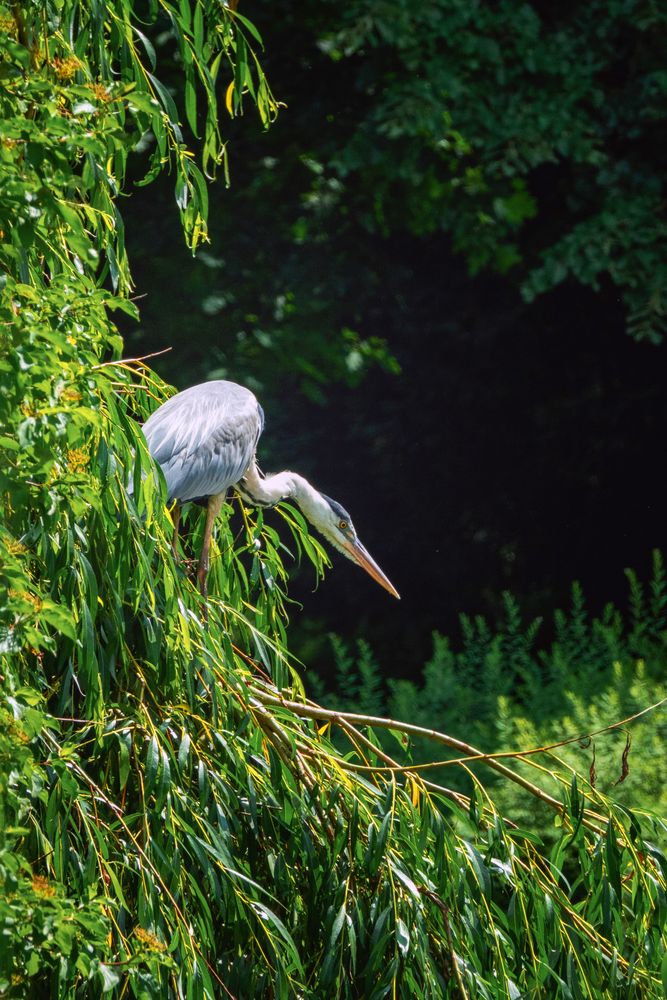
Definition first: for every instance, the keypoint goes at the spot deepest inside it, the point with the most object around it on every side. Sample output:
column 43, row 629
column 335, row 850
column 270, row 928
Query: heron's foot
column 188, row 565
column 202, row 574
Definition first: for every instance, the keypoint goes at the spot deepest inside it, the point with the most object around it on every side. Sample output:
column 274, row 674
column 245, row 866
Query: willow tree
column 177, row 819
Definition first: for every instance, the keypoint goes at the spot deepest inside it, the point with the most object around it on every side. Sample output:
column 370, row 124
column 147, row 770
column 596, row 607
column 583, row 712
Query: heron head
column 334, row 522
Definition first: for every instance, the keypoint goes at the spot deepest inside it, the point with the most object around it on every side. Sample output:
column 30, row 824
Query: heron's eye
column 343, row 525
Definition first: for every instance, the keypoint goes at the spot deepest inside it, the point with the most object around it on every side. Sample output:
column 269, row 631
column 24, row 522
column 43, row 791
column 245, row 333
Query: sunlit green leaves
column 92, row 94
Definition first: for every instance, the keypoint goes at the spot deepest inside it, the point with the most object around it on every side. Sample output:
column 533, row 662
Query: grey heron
column 205, row 440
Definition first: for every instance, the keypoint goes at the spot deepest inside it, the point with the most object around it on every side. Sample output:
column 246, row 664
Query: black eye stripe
column 337, row 508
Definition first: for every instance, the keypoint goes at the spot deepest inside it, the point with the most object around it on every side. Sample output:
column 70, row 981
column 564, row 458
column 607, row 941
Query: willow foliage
column 175, row 817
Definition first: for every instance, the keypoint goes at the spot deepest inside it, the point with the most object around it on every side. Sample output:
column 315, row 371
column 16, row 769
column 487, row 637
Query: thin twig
column 350, row 730
column 433, row 896
column 310, row 711
column 294, row 763
column 132, row 361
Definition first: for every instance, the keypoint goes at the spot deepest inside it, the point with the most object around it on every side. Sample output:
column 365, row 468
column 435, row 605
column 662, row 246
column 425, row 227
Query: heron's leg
column 212, row 511
column 176, row 518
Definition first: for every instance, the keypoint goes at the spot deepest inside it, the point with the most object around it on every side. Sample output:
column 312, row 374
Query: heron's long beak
column 356, row 551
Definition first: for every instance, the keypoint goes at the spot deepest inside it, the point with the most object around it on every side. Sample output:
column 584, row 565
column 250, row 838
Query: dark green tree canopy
column 534, row 134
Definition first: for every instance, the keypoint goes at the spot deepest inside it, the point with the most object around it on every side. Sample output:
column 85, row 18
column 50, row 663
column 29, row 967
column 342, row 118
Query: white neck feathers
column 268, row 490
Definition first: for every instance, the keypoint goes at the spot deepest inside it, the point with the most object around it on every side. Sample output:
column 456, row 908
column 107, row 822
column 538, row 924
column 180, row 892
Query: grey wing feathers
column 204, row 438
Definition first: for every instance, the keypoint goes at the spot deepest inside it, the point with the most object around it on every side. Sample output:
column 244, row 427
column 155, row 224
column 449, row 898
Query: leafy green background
column 178, row 816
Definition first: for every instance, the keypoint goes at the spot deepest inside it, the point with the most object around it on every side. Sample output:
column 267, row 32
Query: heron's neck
column 268, row 490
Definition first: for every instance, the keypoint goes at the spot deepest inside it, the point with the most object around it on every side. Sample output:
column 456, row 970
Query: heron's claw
column 188, row 565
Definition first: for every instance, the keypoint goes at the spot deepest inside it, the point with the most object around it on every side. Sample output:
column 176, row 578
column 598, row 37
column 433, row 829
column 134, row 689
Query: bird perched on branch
column 205, row 439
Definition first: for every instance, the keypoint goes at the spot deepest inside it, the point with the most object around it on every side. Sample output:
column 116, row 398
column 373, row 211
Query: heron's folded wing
column 204, row 438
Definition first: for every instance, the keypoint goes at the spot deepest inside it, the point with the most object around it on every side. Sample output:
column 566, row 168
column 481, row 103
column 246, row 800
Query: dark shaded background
column 521, row 447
